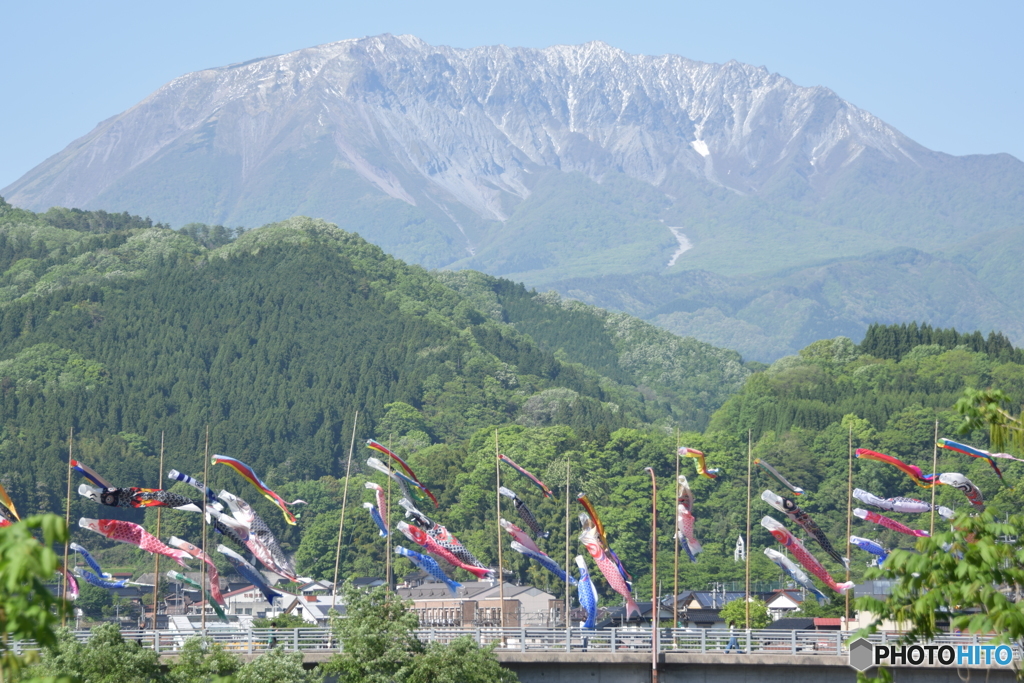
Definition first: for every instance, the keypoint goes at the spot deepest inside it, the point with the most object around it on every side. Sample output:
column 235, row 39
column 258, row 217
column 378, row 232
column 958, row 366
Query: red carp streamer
column 925, row 481
column 522, row 470
column 888, row 523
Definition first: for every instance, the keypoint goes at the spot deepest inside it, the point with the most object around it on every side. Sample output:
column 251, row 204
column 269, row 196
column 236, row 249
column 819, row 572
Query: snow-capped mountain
column 437, row 152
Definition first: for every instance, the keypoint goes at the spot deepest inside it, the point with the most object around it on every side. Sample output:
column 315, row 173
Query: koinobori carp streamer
column 380, row 448
column 685, row 520
column 925, row 481
column 586, row 592
column 197, row 553
column 430, row 566
column 181, row 578
column 609, row 568
column 797, row 574
column 135, row 497
column 888, row 523
column 377, row 519
column 249, row 475
column 90, row 560
column 133, row 534
column 804, row 521
column 249, row 573
column 797, row 491
column 420, row 537
column 702, row 468
column 900, row 504
column 524, row 513
column 802, row 555
column 594, row 519
column 440, row 534
column 873, row 547
column 544, row 560
column 962, row 483
column 522, row 470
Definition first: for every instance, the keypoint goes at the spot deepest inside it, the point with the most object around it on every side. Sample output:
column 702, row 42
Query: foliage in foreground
column 27, row 609
column 735, row 613
column 381, row 647
column 108, row 658
column 969, row 577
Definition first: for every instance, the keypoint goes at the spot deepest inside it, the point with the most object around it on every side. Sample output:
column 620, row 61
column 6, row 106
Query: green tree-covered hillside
column 275, row 337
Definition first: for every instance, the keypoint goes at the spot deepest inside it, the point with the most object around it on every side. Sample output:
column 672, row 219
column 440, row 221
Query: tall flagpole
column 849, row 519
column 344, row 502
column 746, row 541
column 67, row 525
column 935, row 468
column 675, row 529
column 387, row 523
column 156, row 556
column 501, row 569
column 202, row 565
column 655, row 603
column 568, row 603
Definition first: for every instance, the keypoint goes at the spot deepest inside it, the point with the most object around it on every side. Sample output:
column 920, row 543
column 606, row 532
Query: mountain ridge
column 560, row 165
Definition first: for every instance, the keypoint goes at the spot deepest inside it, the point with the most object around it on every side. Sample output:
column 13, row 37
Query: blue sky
column 947, row 74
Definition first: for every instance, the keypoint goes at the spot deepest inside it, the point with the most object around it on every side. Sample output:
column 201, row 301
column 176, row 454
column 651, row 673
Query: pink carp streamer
column 126, row 532
column 519, row 535
column 888, row 523
column 925, row 481
column 521, row 470
column 803, row 556
column 685, row 520
column 380, row 448
column 197, row 553
column 609, row 568
column 382, row 504
column 72, row 584
column 702, row 468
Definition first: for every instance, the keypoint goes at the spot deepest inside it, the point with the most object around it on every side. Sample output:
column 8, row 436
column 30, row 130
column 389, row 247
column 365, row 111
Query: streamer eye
column 109, row 497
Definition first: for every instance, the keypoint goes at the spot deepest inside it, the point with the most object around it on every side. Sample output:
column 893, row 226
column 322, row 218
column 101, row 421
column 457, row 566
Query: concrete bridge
column 622, row 655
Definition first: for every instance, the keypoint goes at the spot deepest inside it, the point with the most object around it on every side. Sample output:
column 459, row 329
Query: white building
column 247, row 604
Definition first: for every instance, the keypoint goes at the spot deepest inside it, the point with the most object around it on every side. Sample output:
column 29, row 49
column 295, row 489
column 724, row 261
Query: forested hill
column 274, row 337
column 125, row 330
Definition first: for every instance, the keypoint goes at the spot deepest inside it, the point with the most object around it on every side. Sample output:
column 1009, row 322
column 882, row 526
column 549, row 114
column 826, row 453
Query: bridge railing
column 530, row 639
